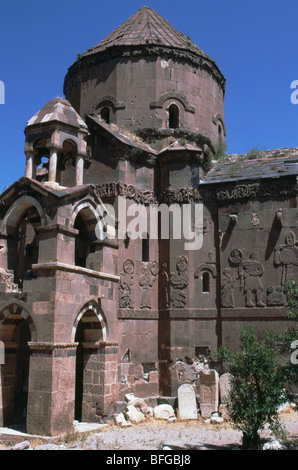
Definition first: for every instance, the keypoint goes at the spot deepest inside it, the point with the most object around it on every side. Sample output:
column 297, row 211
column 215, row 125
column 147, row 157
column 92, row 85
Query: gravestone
column 209, row 391
column 224, row 387
column 224, row 390
column 187, row 402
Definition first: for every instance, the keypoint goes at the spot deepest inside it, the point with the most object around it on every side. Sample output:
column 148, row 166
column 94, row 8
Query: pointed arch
column 16, row 211
column 91, row 306
column 19, row 311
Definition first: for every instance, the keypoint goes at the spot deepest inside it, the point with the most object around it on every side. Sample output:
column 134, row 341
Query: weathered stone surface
column 21, row 446
column 120, row 420
column 134, row 415
column 139, row 404
column 187, row 402
column 274, row 445
column 209, row 392
column 216, row 419
column 163, row 412
column 224, row 387
column 48, row 447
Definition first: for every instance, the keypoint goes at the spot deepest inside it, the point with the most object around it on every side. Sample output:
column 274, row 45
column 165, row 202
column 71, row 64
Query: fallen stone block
column 163, row 412
column 133, row 415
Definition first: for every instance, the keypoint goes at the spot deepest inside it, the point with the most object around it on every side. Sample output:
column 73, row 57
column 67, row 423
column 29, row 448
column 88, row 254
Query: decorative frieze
column 188, row 194
column 252, row 190
column 129, row 191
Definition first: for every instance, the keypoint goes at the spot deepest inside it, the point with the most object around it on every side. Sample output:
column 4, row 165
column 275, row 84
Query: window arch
column 206, row 282
column 21, row 224
column 173, row 116
column 105, row 114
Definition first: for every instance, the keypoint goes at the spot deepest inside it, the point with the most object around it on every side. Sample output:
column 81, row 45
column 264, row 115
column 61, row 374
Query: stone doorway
column 89, row 367
column 16, row 333
column 23, row 336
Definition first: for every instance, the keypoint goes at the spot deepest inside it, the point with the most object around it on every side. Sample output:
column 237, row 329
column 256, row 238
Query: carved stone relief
column 250, row 273
column 146, row 281
column 275, row 296
column 125, row 285
column 255, row 220
column 227, row 289
column 126, row 190
column 286, row 255
column 179, row 283
column 236, row 256
column 241, row 191
column 164, row 286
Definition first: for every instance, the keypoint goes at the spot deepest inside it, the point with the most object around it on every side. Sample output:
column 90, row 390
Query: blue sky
column 254, row 43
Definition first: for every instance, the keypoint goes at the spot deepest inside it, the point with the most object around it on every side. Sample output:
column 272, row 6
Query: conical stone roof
column 146, row 27
column 60, row 110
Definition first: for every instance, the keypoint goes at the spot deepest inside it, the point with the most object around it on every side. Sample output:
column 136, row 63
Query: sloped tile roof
column 57, row 109
column 121, row 135
column 146, row 27
column 260, row 168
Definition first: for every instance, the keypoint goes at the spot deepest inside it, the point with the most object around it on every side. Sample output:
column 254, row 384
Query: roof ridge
column 146, row 26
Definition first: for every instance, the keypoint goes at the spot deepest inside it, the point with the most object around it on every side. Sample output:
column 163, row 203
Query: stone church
column 86, row 319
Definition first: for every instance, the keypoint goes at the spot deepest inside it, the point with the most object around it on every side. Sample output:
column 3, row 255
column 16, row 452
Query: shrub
column 257, row 386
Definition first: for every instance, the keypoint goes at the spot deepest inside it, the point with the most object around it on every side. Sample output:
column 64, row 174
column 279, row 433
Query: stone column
column 79, row 170
column 29, row 168
column 100, row 379
column 3, row 251
column 51, row 392
column 53, row 165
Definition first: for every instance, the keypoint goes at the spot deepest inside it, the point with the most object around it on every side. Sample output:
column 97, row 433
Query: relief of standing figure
column 164, row 281
column 227, row 295
column 251, row 274
column 146, row 281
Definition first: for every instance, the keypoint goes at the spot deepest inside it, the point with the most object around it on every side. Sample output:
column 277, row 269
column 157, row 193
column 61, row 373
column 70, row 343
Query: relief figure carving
column 125, row 285
column 146, row 282
column 275, row 296
column 164, row 283
column 179, row 283
column 286, row 255
column 227, row 294
column 250, row 273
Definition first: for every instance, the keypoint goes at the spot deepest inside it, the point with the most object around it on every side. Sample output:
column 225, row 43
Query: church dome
column 147, row 75
column 146, row 27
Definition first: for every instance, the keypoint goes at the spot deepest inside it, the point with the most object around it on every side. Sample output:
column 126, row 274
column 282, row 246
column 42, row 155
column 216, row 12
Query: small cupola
column 55, row 140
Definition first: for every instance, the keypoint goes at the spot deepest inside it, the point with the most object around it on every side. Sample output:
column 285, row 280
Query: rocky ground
column 150, row 435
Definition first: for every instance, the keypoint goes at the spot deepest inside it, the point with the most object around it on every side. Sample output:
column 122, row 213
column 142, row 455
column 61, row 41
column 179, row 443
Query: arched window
column 23, row 248
column 82, row 242
column 105, row 115
column 173, row 116
column 206, row 282
column 219, row 133
column 88, row 254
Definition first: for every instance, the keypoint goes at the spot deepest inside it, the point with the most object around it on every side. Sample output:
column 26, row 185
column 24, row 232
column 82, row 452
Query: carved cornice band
column 263, row 189
column 187, row 195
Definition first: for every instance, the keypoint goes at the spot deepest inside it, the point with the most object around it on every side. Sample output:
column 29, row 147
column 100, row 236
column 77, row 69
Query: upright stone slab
column 187, row 402
column 224, row 387
column 209, row 392
column 224, row 390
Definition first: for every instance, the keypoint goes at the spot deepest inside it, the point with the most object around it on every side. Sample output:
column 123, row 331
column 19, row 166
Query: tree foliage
column 257, row 386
